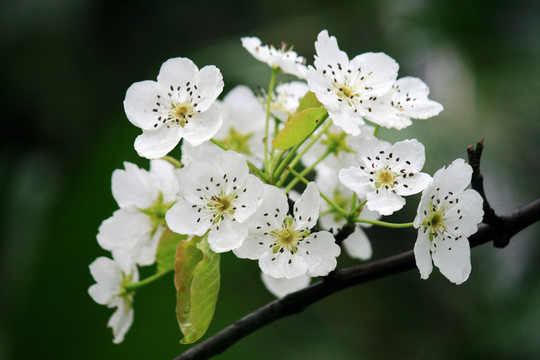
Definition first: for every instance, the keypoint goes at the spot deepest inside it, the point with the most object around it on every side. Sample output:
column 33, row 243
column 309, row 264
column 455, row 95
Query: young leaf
column 197, row 281
column 166, row 250
column 308, row 101
column 298, row 128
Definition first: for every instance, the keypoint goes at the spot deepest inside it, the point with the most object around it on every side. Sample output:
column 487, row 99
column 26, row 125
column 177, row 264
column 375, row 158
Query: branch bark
column 340, row 279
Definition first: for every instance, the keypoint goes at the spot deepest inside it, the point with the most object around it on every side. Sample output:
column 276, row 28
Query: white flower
column 285, row 246
column 283, row 286
column 286, row 59
column 407, row 99
column 286, row 99
column 447, row 215
column 143, row 197
column 386, row 173
column 111, row 276
column 218, row 195
column 179, row 105
column 347, row 88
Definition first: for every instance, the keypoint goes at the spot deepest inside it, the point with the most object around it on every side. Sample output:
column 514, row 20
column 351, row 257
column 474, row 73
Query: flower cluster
column 275, row 177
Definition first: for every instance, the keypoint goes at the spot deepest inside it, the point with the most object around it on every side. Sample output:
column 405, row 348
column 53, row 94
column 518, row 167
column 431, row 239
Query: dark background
column 65, row 67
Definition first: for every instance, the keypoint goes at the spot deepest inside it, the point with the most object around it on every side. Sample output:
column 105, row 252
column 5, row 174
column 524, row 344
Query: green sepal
column 197, row 280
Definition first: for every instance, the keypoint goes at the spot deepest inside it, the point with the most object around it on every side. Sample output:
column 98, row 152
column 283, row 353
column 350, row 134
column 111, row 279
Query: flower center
column 222, row 205
column 287, row 238
column 238, row 141
column 384, row 177
column 434, row 222
column 181, row 114
column 157, row 212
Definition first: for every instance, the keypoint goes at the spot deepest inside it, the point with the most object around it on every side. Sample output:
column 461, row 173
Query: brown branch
column 344, row 278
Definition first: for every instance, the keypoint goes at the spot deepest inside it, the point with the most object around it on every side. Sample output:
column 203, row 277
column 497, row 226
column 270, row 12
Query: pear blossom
column 143, row 197
column 179, row 105
column 386, row 173
column 283, row 286
column 111, row 276
column 346, row 87
column 286, row 99
column 284, row 245
column 447, row 215
column 407, row 99
column 218, row 196
column 286, row 59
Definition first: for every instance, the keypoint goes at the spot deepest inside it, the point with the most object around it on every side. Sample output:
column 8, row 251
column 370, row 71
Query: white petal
column 154, row 144
column 177, row 72
column 226, row 236
column 411, row 154
column 200, row 180
column 356, row 180
column 380, row 72
column 108, row 278
column 349, row 121
column 244, row 112
column 328, row 51
column 357, row 245
column 141, row 100
column 470, row 214
column 166, row 175
column 422, row 254
column 248, row 201
column 320, row 250
column 412, row 98
column 120, row 322
column 134, row 187
column 254, row 247
column 283, row 286
column 183, row 218
column 385, row 202
column 235, row 169
column 456, row 177
column 283, row 265
column 453, row 258
column 413, row 184
column 209, row 83
column 271, row 213
column 306, row 209
column 126, row 229
column 203, row 126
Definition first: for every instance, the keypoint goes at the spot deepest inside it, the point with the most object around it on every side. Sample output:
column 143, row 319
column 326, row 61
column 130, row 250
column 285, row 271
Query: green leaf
column 308, row 101
column 197, row 280
column 298, row 128
column 166, row 250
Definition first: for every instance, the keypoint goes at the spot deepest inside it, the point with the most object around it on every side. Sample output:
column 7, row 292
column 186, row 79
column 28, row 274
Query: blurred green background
column 65, row 67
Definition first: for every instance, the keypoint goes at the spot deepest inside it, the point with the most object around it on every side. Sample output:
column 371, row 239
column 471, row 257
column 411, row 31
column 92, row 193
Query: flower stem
column 306, row 170
column 150, row 279
column 275, row 71
column 330, row 202
column 173, row 161
column 292, row 158
column 376, row 131
column 384, row 223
